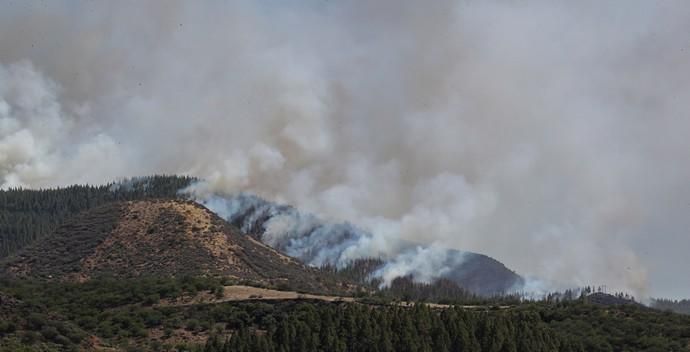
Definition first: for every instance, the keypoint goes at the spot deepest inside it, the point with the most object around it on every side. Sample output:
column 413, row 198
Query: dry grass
column 249, row 293
column 238, row 293
column 168, row 238
column 177, row 336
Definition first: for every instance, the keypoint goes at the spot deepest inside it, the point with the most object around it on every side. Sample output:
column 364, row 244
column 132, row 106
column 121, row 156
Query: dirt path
column 249, row 293
column 444, row 306
column 238, row 293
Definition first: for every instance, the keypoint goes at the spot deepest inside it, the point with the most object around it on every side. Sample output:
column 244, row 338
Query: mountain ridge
column 158, row 237
column 40, row 214
column 475, row 272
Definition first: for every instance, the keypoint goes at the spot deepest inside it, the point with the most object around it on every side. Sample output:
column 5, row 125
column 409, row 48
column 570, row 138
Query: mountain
column 482, row 274
column 28, row 217
column 679, row 306
column 158, row 238
column 606, row 299
column 309, row 239
column 139, row 270
column 29, row 214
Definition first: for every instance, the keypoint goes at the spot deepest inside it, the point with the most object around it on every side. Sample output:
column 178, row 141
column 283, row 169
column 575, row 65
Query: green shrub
column 30, row 337
column 152, row 299
column 49, row 332
column 192, row 325
column 7, row 327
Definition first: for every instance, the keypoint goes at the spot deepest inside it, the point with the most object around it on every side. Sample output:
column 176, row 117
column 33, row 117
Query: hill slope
column 27, row 215
column 161, row 237
column 483, row 275
column 308, row 238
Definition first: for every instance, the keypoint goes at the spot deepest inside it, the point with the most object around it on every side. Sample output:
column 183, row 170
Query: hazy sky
column 551, row 135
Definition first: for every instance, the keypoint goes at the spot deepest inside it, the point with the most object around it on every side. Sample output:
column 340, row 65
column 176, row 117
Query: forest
column 26, row 215
column 146, row 314
column 679, row 306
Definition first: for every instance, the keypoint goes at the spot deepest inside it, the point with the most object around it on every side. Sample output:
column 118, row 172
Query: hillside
column 154, row 238
column 482, row 274
column 27, row 215
column 201, row 314
column 169, row 274
column 477, row 273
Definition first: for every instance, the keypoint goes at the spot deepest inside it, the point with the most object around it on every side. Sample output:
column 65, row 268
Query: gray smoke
column 300, row 235
column 320, row 243
column 551, row 135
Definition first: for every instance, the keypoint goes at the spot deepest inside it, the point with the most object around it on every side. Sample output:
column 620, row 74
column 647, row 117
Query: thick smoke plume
column 320, row 243
column 551, row 135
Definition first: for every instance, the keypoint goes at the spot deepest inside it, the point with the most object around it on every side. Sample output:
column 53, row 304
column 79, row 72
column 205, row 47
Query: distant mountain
column 606, row 299
column 482, row 274
column 158, row 238
column 315, row 242
column 679, row 306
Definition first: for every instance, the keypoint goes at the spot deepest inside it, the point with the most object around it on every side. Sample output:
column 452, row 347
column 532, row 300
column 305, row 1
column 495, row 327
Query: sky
column 551, row 135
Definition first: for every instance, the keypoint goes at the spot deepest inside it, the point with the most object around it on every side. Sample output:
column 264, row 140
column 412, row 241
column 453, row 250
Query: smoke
column 320, row 243
column 300, row 235
column 36, row 138
column 551, row 135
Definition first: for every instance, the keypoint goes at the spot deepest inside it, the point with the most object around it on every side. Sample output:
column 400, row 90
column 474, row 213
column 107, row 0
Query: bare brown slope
column 163, row 237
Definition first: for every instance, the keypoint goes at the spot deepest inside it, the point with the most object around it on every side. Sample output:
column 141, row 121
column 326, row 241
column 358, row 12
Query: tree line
column 27, row 215
column 349, row 327
column 679, row 306
column 128, row 315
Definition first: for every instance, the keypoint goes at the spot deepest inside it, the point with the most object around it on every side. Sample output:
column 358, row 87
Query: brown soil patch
column 237, row 293
column 178, row 336
column 249, row 293
column 163, row 238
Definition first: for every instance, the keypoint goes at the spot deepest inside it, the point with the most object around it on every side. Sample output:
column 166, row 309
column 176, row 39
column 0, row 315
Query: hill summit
column 157, row 237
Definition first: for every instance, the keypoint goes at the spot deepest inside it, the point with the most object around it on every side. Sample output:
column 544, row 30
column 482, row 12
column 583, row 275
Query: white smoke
column 551, row 135
column 320, row 243
column 36, row 136
column 298, row 234
column 424, row 264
